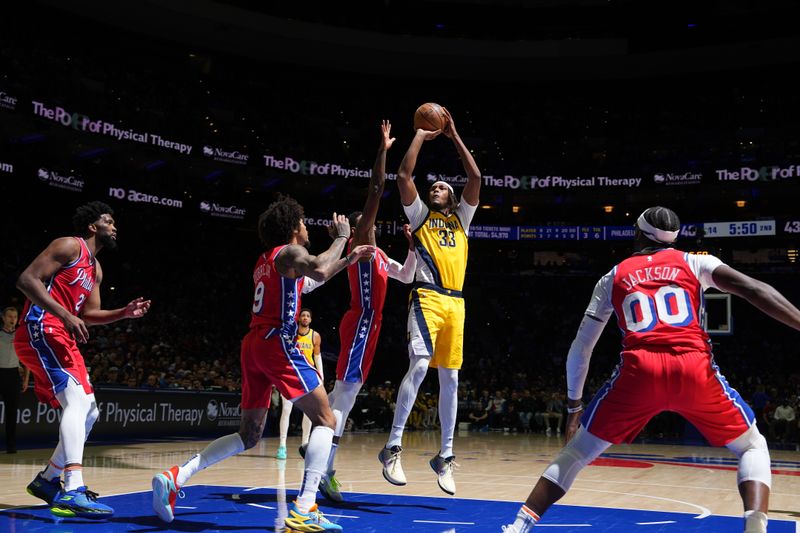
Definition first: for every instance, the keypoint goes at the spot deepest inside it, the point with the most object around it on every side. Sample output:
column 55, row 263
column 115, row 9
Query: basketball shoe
column 330, row 487
column 165, row 492
column 81, row 503
column 313, row 521
column 45, row 489
column 392, row 469
column 281, row 454
column 444, row 470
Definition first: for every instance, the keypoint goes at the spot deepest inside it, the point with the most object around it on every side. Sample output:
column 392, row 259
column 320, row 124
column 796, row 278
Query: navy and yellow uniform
column 436, row 309
column 305, row 343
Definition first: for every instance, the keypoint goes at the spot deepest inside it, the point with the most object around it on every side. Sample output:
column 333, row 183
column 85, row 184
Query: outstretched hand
column 360, row 252
column 340, row 227
column 449, row 129
column 428, row 135
column 137, row 308
column 386, row 140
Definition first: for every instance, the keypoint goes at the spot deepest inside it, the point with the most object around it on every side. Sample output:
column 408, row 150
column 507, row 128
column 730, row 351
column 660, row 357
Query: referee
column 10, row 383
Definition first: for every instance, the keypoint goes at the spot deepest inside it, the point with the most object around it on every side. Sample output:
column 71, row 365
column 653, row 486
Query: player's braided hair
column 663, row 218
column 276, row 224
column 89, row 214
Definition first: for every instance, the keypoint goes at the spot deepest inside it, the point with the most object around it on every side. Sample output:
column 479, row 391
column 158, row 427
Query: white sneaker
column 392, row 469
column 444, row 470
column 756, row 523
column 509, row 529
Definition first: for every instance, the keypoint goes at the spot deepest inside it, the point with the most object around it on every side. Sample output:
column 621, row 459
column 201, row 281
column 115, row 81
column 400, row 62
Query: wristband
column 573, row 410
column 341, row 237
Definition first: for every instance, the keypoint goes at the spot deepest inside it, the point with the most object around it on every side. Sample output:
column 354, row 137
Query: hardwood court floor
column 493, row 466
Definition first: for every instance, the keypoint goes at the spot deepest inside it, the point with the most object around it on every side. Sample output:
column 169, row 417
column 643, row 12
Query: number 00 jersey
column 658, row 300
column 276, row 300
column 441, row 242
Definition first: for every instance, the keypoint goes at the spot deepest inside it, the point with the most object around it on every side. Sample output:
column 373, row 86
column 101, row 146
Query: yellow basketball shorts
column 436, row 325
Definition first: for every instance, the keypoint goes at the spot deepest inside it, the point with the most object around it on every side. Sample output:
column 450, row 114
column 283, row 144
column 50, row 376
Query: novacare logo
column 216, row 210
column 227, row 156
column 7, row 101
column 70, row 183
column 6, row 167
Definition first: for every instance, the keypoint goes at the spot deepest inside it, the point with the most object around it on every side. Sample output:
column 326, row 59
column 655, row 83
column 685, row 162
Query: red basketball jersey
column 368, row 282
column 70, row 287
column 276, row 301
column 658, row 301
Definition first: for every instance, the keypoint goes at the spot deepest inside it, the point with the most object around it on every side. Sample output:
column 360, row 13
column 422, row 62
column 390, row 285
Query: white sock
column 306, row 429
column 755, row 522
column 317, row 453
column 448, row 408
column 72, row 430
column 332, row 457
column 52, row 471
column 525, row 521
column 220, row 449
column 73, row 479
column 406, row 396
column 286, row 414
column 343, row 399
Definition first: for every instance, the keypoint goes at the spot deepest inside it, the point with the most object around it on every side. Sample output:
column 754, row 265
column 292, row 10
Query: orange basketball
column 429, row 116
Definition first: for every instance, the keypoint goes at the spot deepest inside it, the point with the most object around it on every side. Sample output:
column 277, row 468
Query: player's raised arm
column 405, row 272
column 472, row 190
column 31, row 282
column 295, row 261
column 375, row 191
column 405, row 176
column 762, row 295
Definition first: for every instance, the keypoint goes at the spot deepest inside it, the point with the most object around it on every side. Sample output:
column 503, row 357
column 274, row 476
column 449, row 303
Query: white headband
column 654, row 234
column 452, row 192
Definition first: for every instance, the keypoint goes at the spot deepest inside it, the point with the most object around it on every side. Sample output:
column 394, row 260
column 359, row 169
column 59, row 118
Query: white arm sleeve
column 703, row 267
column 580, row 352
column 416, row 212
column 404, row 272
column 310, row 284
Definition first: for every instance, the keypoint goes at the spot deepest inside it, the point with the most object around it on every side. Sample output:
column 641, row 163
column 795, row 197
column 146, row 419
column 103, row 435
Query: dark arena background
column 189, row 118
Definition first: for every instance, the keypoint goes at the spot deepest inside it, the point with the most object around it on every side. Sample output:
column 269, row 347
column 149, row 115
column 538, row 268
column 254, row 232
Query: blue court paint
column 209, row 509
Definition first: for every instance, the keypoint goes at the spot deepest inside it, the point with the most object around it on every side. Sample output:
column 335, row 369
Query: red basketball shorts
column 358, row 335
column 269, row 358
column 52, row 356
column 646, row 383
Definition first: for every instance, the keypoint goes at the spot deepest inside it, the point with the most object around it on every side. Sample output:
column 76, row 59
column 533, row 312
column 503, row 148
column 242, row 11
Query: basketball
column 429, row 116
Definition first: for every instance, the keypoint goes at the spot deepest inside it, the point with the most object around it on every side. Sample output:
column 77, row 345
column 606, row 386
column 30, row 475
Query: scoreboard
column 746, row 228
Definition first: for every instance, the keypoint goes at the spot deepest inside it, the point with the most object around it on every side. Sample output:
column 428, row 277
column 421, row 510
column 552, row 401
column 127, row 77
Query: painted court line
column 261, row 506
column 184, row 507
column 655, row 523
column 341, row 515
column 441, row 522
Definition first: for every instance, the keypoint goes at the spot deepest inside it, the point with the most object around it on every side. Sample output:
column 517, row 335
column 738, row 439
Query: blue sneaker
column 45, row 489
column 81, row 503
column 313, row 521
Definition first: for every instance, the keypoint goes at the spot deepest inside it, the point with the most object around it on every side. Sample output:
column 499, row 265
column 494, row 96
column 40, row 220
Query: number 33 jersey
column 441, row 243
column 658, row 299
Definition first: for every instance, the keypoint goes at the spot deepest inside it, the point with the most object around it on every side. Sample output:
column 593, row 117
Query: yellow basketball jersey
column 441, row 243
column 305, row 343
